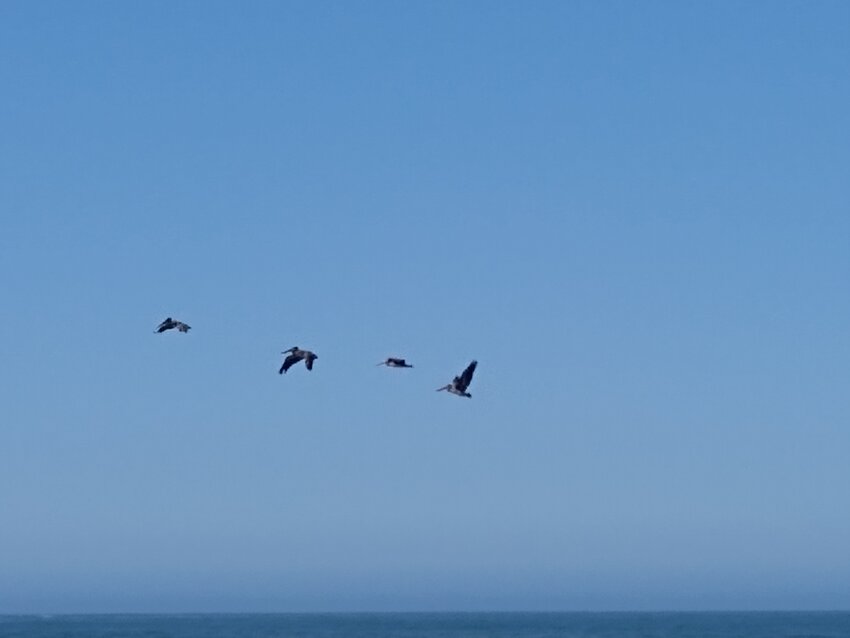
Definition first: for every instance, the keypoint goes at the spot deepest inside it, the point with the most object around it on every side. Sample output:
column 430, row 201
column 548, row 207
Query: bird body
column 295, row 355
column 393, row 362
column 170, row 323
column 460, row 383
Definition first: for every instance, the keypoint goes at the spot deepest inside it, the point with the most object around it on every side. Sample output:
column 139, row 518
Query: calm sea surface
column 472, row 625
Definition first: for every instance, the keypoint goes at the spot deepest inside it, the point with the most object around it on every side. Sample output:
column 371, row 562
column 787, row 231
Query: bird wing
column 290, row 361
column 466, row 377
column 182, row 327
column 308, row 361
column 445, row 387
column 165, row 325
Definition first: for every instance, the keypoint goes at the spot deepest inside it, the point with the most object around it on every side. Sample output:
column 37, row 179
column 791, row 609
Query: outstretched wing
column 182, row 327
column 290, row 361
column 466, row 377
column 309, row 360
column 445, row 387
column 168, row 324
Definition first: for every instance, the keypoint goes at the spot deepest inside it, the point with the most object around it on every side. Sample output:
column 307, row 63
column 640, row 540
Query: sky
column 635, row 216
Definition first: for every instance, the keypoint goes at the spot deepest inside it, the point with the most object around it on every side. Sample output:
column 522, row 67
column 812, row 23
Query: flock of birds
column 458, row 386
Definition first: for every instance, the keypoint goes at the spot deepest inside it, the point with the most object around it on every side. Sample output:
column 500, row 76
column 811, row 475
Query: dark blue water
column 472, row 625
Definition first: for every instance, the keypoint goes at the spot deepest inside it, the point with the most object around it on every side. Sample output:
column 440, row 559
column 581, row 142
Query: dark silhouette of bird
column 459, row 384
column 393, row 362
column 296, row 354
column 170, row 323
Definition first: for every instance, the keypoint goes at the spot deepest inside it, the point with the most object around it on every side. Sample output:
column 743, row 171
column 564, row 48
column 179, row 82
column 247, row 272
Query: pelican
column 392, row 362
column 296, row 354
column 170, row 323
column 459, row 384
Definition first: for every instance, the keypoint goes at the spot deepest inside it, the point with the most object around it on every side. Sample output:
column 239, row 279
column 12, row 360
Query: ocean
column 435, row 625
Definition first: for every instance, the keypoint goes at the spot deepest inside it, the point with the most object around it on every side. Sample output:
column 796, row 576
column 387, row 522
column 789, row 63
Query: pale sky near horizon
column 633, row 215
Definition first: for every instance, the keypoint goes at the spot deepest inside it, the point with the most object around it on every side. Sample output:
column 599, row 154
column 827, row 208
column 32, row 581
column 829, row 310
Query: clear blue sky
column 636, row 216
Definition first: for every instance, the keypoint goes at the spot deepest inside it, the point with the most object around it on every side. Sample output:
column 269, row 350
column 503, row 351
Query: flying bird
column 296, row 354
column 170, row 323
column 459, row 384
column 392, row 362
